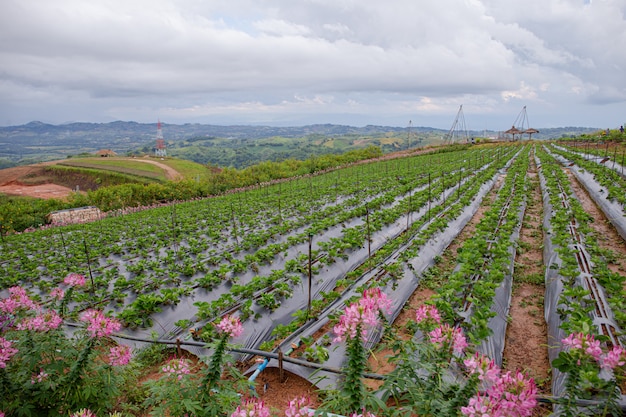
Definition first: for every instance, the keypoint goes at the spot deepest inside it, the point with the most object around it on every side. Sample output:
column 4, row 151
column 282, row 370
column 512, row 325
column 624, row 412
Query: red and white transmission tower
column 160, row 149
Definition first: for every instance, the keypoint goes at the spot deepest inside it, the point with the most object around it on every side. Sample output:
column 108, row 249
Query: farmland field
column 505, row 240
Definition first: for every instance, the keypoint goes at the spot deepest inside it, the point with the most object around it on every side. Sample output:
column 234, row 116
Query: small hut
column 105, row 153
column 530, row 132
column 513, row 131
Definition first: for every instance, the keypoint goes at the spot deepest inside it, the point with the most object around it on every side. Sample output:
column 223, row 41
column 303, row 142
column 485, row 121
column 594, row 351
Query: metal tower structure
column 521, row 125
column 160, row 149
column 458, row 129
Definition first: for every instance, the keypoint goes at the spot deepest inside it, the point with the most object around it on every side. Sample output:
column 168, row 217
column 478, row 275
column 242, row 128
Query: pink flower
column 366, row 311
column 98, row 324
column 251, row 408
column 513, row 395
column 119, row 355
column 573, row 341
column 363, row 414
column 445, row 337
column 231, row 326
column 177, row 367
column 6, row 351
column 18, row 300
column 427, row 313
column 74, row 280
column 613, row 358
column 57, row 293
column 40, row 377
column 85, row 412
column 299, row 407
column 485, row 367
column 42, row 322
column 584, row 342
column 479, row 406
column 375, row 299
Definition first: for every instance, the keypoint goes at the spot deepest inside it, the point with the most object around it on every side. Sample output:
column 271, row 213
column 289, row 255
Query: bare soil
column 276, row 393
column 605, row 234
column 31, row 181
column 14, row 181
column 526, row 338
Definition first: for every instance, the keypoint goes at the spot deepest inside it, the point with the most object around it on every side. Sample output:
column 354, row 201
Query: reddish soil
column 13, row 181
column 604, row 233
column 276, row 393
column 526, row 337
column 30, row 180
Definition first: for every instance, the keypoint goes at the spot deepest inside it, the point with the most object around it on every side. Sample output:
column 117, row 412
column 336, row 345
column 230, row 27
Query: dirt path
column 526, row 334
column 170, row 173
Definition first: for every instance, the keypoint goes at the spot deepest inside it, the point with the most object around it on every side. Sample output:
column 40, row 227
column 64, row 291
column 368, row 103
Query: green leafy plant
column 44, row 370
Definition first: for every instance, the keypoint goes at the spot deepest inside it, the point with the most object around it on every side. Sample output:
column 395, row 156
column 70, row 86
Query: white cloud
column 279, row 57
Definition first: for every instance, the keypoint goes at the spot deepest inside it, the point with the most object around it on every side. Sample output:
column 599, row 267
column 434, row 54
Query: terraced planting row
column 583, row 296
column 397, row 274
column 233, row 251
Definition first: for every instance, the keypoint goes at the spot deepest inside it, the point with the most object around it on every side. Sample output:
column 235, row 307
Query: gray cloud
column 355, row 61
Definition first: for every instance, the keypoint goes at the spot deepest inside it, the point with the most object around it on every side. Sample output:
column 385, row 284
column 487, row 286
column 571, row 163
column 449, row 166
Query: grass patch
column 124, row 166
column 535, row 278
column 188, row 169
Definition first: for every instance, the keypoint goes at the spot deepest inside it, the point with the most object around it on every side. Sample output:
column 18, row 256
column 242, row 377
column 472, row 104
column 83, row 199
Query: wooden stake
column 308, row 314
column 93, row 288
column 281, row 371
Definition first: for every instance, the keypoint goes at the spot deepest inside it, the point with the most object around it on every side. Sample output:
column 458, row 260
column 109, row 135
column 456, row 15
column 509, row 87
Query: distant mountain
column 37, row 141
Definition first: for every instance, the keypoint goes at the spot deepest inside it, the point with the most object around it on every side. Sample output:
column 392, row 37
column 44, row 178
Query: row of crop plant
column 388, row 272
column 334, row 274
column 144, row 280
column 477, row 294
column 583, row 302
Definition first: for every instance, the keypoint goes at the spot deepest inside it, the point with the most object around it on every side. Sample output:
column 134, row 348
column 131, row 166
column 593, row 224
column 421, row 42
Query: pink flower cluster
column 85, row 412
column 40, row 377
column 43, row 322
column 363, row 414
column 299, row 407
column 446, row 337
column 98, row 325
column 119, row 355
column 177, row 367
column 587, row 344
column 486, row 368
column 18, row 300
column 511, row 395
column 230, row 325
column 251, row 408
column 57, row 293
column 6, row 351
column 613, row 358
column 74, row 280
column 427, row 314
column 366, row 311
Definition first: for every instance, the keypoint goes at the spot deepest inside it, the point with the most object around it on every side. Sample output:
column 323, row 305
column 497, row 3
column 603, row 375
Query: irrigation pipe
column 254, row 352
column 270, row 355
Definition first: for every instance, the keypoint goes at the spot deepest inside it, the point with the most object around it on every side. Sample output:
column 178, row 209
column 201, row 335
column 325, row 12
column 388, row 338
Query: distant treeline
column 19, row 213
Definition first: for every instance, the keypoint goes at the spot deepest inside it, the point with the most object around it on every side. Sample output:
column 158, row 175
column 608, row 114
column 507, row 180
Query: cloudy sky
column 296, row 62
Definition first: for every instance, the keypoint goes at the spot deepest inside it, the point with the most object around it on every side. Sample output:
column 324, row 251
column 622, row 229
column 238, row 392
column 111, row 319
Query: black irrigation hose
column 270, row 355
column 254, row 352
